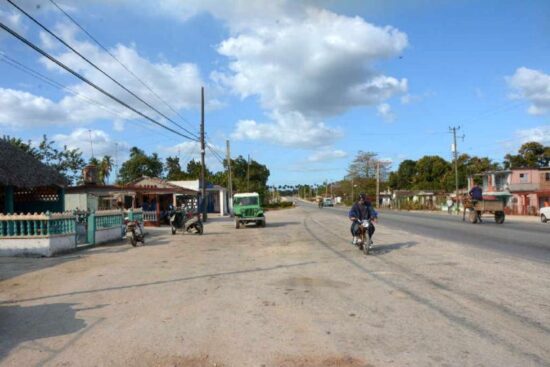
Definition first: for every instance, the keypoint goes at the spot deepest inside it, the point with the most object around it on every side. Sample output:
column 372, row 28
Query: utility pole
column 248, row 175
column 229, row 178
column 203, row 166
column 377, row 183
column 455, row 156
column 352, row 191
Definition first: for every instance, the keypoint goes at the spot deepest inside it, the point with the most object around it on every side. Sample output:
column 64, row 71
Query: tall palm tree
column 105, row 168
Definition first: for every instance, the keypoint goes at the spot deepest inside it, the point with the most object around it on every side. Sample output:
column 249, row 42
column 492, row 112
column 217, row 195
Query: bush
column 280, row 205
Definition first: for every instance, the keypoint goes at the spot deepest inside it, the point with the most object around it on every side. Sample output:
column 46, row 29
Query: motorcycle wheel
column 366, row 245
column 133, row 239
column 200, row 229
column 173, row 230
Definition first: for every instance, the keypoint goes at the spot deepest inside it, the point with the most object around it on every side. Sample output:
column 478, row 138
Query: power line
column 37, row 75
column 120, row 63
column 97, row 68
column 84, row 79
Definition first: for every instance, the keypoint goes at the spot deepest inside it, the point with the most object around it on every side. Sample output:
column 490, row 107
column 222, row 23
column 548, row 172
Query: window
column 252, row 200
column 523, row 177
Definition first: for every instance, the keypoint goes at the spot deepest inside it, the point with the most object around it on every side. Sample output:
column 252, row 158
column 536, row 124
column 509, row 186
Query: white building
column 217, row 198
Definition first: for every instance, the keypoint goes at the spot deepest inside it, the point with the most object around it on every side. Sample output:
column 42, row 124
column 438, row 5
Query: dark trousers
column 355, row 229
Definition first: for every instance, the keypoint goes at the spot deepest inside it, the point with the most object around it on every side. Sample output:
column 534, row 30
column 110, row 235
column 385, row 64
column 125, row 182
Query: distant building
column 216, row 195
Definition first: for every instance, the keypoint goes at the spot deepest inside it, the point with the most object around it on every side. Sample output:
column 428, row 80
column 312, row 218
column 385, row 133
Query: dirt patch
column 322, row 362
column 306, row 282
column 154, row 360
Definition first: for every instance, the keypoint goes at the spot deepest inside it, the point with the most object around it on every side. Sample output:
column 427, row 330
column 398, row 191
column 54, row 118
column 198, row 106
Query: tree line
column 246, row 176
column 430, row 172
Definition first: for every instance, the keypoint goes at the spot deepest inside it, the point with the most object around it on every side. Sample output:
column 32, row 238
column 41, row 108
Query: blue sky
column 300, row 86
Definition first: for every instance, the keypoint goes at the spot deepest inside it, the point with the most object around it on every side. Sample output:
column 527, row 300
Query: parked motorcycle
column 134, row 232
column 364, row 242
column 186, row 221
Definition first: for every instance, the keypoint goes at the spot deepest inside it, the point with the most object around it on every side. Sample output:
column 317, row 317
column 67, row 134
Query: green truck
column 247, row 209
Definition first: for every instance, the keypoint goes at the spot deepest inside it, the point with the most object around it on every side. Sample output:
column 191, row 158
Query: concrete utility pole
column 229, row 177
column 377, row 183
column 203, row 164
column 455, row 155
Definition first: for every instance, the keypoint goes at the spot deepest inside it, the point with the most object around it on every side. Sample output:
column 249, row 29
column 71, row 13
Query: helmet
column 363, row 196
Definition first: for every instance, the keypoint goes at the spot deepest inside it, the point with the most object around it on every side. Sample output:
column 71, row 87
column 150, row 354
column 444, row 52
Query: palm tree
column 105, row 168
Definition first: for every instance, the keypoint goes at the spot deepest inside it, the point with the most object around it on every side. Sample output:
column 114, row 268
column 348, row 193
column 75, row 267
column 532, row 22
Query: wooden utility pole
column 352, row 192
column 229, row 175
column 455, row 156
column 248, row 175
column 377, row 183
column 203, row 164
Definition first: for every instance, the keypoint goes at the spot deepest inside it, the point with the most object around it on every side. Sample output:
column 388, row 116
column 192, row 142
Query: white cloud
column 290, row 129
column 534, row 86
column 325, row 155
column 385, row 111
column 539, row 134
column 177, row 84
column 21, row 109
column 319, row 65
column 12, row 19
column 306, row 65
column 103, row 144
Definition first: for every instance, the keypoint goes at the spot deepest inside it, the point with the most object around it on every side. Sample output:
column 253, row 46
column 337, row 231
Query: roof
column 187, row 184
column 246, row 194
column 158, row 184
column 20, row 169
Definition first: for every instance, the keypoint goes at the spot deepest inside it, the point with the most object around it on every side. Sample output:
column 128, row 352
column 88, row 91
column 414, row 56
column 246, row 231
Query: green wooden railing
column 108, row 219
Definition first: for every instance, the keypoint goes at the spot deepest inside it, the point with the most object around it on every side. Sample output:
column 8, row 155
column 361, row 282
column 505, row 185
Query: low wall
column 37, row 246
column 108, row 234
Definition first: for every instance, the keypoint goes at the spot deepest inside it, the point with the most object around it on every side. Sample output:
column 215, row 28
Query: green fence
column 36, row 225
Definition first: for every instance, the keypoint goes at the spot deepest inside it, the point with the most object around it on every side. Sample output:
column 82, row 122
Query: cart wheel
column 499, row 217
column 472, row 216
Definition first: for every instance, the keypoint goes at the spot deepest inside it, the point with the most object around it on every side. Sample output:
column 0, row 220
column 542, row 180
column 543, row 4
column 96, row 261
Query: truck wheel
column 262, row 223
column 237, row 224
column 499, row 217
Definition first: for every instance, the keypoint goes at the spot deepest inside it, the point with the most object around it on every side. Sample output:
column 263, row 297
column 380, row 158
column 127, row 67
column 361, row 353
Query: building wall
column 75, row 201
column 37, row 246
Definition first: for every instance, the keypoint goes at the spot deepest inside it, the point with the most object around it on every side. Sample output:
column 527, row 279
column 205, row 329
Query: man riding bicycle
column 362, row 210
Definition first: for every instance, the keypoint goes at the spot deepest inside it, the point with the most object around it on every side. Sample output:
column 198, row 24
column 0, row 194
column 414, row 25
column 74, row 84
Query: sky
column 300, row 86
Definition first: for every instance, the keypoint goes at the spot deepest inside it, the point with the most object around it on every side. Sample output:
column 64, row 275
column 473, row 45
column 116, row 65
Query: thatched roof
column 20, row 169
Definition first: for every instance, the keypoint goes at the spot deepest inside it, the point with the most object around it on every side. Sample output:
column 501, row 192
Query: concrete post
column 91, row 229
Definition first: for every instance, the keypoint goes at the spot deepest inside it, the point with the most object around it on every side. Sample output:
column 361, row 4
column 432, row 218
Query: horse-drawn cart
column 474, row 209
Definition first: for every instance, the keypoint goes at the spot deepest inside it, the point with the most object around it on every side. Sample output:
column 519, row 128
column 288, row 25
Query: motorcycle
column 364, row 242
column 134, row 232
column 186, row 222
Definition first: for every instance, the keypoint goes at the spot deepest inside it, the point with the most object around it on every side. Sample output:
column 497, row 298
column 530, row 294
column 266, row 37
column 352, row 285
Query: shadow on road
column 19, row 324
column 282, row 224
column 384, row 249
column 159, row 282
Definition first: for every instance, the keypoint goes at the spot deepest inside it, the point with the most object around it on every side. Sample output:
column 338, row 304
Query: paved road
column 526, row 240
column 293, row 294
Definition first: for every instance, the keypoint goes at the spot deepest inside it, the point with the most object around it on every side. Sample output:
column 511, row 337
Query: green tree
column 431, row 173
column 259, row 175
column 26, row 147
column 173, row 169
column 194, row 170
column 404, row 177
column 104, row 169
column 140, row 164
column 530, row 155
